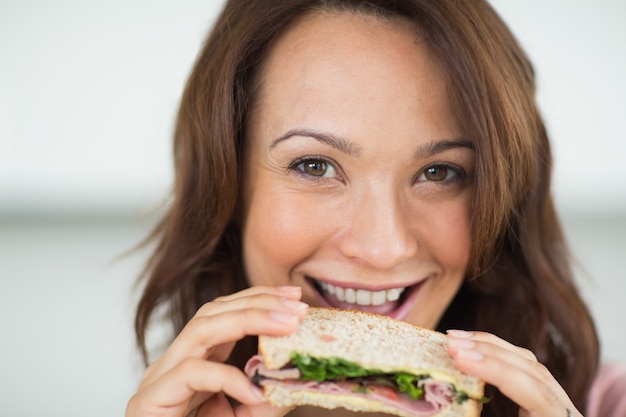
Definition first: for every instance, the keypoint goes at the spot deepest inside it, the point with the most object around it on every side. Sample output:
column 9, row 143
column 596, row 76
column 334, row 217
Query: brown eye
column 315, row 168
column 442, row 173
column 436, row 173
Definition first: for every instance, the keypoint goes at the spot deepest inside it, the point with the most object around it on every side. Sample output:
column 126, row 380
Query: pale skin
column 355, row 167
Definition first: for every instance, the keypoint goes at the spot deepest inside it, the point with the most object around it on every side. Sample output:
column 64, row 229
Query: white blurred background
column 88, row 94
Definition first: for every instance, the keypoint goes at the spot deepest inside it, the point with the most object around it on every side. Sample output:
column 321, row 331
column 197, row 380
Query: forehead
column 319, row 43
column 331, row 65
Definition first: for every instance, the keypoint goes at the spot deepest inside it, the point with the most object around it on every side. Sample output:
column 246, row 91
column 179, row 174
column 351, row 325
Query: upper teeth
column 363, row 297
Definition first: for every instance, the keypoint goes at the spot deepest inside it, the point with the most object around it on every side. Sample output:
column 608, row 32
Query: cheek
column 449, row 243
column 279, row 232
column 449, row 232
column 453, row 242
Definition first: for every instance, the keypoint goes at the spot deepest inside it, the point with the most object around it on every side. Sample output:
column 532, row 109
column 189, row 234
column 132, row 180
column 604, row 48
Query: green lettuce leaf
column 337, row 369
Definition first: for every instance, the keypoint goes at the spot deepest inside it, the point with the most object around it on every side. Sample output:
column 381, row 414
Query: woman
column 380, row 155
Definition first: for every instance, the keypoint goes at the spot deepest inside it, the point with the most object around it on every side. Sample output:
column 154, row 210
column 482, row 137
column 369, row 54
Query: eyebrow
column 337, row 142
column 424, row 151
column 433, row 148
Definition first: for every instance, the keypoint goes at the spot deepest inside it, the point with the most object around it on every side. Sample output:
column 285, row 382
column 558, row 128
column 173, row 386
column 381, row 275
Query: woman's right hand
column 190, row 379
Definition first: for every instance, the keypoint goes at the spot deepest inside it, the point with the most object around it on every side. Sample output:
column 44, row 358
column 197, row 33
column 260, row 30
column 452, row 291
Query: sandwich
column 364, row 362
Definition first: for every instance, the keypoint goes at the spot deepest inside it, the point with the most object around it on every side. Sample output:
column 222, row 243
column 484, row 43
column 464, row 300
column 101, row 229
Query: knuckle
column 150, row 374
column 151, row 369
column 197, row 331
column 147, row 378
column 528, row 354
column 541, row 370
column 220, row 299
column 133, row 405
column 252, row 316
column 187, row 366
column 194, row 326
column 249, row 314
column 502, row 367
column 496, row 350
column 549, row 396
column 207, row 308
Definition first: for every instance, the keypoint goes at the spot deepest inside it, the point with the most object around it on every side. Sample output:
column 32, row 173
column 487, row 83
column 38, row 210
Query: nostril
column 379, row 252
column 379, row 231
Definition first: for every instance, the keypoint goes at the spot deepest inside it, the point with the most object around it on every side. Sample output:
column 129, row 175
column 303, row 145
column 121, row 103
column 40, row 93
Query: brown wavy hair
column 519, row 282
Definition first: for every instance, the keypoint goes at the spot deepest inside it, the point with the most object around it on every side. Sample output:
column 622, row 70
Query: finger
column 524, row 380
column 493, row 339
column 276, row 302
column 476, row 346
column 508, row 355
column 204, row 333
column 175, row 389
column 262, row 315
column 284, row 291
column 260, row 300
column 192, row 340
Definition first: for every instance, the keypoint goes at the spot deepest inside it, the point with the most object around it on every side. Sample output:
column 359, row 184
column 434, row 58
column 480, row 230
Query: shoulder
column 606, row 397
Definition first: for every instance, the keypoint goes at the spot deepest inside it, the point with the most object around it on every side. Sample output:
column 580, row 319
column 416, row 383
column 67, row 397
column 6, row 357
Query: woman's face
column 357, row 180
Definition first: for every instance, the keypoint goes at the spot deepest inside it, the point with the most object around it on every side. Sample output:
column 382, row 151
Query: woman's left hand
column 515, row 371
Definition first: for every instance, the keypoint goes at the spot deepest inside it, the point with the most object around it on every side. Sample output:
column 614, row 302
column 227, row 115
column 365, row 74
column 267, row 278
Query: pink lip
column 398, row 313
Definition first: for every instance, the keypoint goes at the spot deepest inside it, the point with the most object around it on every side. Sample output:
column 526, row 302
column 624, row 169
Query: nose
column 379, row 231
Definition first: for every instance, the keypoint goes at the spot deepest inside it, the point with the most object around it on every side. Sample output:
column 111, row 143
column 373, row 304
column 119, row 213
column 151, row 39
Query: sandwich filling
column 416, row 395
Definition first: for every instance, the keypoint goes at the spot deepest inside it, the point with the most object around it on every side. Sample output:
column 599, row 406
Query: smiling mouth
column 394, row 302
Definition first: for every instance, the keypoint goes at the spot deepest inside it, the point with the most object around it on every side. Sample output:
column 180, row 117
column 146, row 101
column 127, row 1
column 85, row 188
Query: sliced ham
column 437, row 394
column 255, row 366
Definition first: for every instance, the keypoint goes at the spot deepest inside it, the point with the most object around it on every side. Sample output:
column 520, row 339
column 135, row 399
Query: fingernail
column 463, row 334
column 283, row 317
column 469, row 354
column 294, row 304
column 461, row 343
